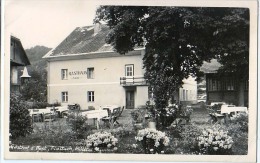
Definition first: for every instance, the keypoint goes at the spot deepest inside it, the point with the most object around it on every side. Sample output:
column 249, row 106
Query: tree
column 177, row 40
column 20, row 120
column 36, row 87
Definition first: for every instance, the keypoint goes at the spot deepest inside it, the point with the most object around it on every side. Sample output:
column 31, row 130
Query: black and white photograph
column 95, row 80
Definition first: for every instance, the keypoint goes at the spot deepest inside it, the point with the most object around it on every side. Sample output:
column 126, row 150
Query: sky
column 46, row 22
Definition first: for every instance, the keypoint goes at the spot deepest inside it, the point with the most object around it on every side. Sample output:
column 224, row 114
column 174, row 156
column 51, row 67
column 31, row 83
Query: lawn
column 183, row 138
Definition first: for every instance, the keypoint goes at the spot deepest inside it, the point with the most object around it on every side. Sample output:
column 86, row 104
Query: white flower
column 215, row 148
column 109, row 145
column 157, row 144
column 115, row 148
column 162, row 152
column 151, row 150
column 96, row 149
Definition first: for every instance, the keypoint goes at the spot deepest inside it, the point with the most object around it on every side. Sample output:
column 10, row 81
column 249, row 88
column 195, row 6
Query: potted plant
column 138, row 118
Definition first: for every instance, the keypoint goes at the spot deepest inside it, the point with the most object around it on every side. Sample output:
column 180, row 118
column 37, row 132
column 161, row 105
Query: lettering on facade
column 77, row 74
column 73, row 73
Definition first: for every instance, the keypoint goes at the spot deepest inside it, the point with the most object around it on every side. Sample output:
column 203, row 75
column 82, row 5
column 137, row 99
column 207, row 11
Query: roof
column 21, row 59
column 83, row 40
column 210, row 67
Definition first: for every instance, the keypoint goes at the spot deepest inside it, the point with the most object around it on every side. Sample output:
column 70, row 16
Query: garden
column 175, row 130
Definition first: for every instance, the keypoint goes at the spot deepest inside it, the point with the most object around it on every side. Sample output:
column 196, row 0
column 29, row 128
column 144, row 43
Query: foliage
column 45, row 135
column 101, row 140
column 242, row 120
column 168, row 115
column 187, row 137
column 215, row 141
column 78, row 124
column 40, row 105
column 138, row 115
column 35, row 89
column 121, row 132
column 152, row 140
column 178, row 39
column 36, row 53
column 20, row 120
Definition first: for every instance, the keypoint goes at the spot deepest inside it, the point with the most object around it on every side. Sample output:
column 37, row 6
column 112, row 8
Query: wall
column 141, row 96
column 106, row 82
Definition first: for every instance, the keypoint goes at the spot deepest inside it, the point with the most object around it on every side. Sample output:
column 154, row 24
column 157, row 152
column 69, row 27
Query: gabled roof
column 210, row 67
column 21, row 58
column 82, row 41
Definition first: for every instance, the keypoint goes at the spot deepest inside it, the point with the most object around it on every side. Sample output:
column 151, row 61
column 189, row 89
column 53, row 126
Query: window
column 229, row 85
column 183, row 95
column 91, row 73
column 64, row 96
column 129, row 70
column 187, row 95
column 214, row 85
column 90, row 96
column 64, row 74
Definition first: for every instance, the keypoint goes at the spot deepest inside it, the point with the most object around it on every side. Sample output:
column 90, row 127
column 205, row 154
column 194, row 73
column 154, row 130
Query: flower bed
column 101, row 140
column 152, row 140
column 215, row 141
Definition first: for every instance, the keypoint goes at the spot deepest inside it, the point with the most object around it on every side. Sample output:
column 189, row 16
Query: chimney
column 97, row 28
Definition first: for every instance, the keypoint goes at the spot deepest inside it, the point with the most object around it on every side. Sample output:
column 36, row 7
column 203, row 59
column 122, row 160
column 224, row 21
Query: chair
column 116, row 113
column 111, row 119
column 49, row 117
column 121, row 110
column 37, row 118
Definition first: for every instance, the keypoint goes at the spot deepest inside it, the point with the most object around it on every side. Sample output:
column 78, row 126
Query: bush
column 121, row 132
column 101, row 140
column 241, row 119
column 215, row 141
column 20, row 120
column 138, row 115
column 187, row 135
column 48, row 136
column 152, row 140
column 78, row 124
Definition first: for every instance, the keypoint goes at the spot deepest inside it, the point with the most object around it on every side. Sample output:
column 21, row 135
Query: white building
column 84, row 69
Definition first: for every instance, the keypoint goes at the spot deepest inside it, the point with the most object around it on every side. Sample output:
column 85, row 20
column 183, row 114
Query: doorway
column 130, row 99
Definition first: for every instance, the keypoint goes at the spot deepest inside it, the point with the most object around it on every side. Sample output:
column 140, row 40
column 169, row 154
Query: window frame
column 88, row 73
column 64, row 76
column 91, row 96
column 64, row 97
column 126, row 70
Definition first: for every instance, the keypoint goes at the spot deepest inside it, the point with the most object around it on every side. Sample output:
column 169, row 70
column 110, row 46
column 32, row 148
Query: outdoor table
column 96, row 115
column 232, row 108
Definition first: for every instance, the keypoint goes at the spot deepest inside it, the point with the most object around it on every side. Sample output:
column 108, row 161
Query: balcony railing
column 132, row 81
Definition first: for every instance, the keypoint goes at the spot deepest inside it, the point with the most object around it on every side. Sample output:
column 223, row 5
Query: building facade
column 224, row 87
column 18, row 58
column 84, row 69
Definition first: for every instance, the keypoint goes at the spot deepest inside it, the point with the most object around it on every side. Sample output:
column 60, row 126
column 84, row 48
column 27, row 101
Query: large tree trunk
column 240, row 93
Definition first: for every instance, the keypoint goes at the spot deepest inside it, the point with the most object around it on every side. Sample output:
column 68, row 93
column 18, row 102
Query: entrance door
column 130, row 99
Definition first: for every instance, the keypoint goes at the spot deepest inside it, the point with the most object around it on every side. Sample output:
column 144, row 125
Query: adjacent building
column 84, row 69
column 18, row 58
column 224, row 87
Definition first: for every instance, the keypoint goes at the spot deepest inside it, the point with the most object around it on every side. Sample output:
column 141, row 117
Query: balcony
column 133, row 81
